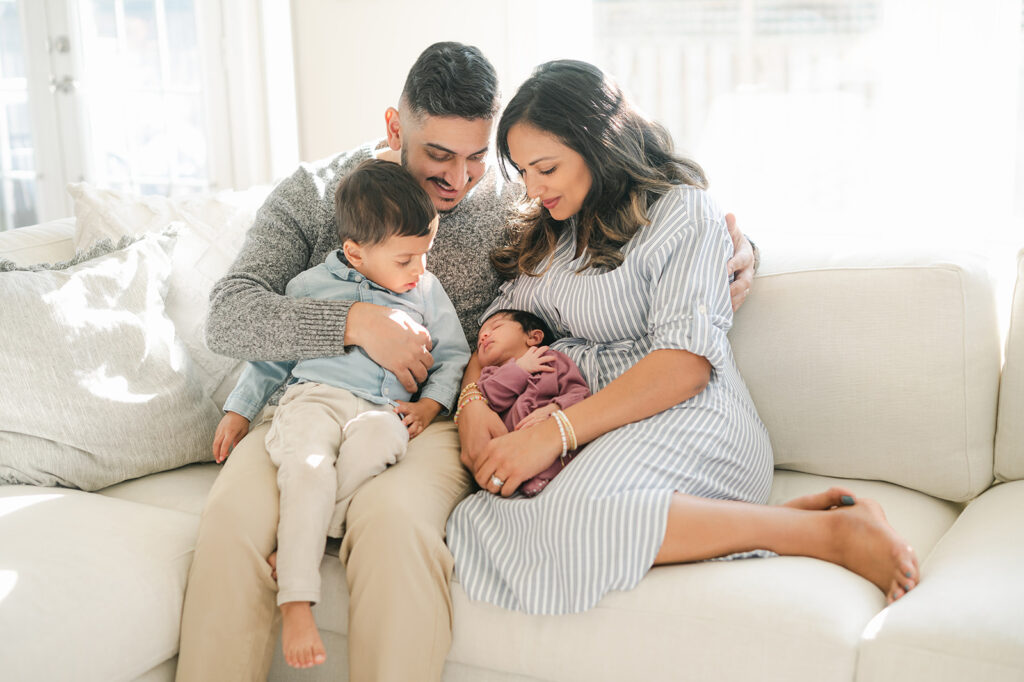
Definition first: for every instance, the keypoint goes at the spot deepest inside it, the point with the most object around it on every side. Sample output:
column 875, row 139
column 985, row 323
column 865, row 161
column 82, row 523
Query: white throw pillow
column 99, row 388
column 212, row 231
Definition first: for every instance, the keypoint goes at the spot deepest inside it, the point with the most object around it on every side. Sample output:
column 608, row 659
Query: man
column 397, row 564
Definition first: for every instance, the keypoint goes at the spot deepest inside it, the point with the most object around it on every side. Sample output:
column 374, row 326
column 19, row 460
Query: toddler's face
column 501, row 339
column 397, row 263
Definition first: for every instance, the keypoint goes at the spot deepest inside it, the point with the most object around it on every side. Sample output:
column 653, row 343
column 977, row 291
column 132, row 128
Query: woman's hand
column 516, row 457
column 478, row 424
column 537, row 416
column 231, row 429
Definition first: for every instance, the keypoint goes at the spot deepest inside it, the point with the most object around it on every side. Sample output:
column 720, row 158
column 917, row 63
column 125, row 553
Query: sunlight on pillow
column 107, row 391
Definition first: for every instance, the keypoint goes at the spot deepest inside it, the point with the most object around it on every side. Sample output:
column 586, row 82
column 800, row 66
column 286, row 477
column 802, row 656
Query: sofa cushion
column 1010, row 430
column 44, row 243
column 90, row 587
column 876, row 370
column 104, row 388
column 184, row 489
column 211, row 230
column 963, row 622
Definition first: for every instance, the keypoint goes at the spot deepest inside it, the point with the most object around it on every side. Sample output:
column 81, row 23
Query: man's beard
column 405, row 164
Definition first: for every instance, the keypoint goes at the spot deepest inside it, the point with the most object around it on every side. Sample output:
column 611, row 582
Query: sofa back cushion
column 50, row 242
column 875, row 367
column 1010, row 428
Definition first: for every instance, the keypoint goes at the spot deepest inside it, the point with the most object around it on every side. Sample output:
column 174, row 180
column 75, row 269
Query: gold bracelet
column 468, row 388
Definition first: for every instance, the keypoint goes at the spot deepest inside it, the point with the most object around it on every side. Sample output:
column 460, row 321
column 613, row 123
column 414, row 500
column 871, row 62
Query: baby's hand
column 537, row 416
column 534, row 360
column 418, row 415
column 230, row 431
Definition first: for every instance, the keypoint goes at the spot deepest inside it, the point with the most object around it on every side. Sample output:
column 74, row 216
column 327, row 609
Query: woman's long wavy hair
column 630, row 159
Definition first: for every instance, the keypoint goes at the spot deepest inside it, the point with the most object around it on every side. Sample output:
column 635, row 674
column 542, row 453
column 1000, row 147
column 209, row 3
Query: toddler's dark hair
column 380, row 199
column 528, row 321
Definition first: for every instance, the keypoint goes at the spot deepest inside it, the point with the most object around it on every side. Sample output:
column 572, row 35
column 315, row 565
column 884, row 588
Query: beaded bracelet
column 471, row 387
column 465, row 401
column 565, row 441
column 563, row 419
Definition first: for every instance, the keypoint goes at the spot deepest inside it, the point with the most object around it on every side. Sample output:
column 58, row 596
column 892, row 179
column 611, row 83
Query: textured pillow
column 211, row 233
column 98, row 387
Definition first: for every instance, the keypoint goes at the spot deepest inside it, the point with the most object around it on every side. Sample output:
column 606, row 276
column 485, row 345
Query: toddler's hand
column 231, row 429
column 418, row 415
column 537, row 416
column 534, row 360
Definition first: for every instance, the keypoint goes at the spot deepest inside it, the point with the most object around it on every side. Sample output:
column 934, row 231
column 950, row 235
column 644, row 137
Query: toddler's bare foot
column 272, row 560
column 833, row 497
column 865, row 543
column 300, row 638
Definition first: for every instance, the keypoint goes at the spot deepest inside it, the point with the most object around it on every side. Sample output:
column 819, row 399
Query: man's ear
column 534, row 338
column 393, row 125
column 353, row 253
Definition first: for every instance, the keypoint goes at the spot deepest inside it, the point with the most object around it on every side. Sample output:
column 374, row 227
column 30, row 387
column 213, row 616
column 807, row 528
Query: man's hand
column 393, row 340
column 231, row 429
column 418, row 415
column 741, row 263
column 478, row 424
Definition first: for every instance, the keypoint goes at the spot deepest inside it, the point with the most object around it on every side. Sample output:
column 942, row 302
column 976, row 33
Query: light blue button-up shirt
column 427, row 304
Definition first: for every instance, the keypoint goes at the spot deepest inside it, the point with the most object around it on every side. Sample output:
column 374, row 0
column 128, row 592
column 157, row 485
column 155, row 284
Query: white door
column 122, row 93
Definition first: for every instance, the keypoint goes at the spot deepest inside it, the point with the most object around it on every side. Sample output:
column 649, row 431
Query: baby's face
column 397, row 263
column 501, row 339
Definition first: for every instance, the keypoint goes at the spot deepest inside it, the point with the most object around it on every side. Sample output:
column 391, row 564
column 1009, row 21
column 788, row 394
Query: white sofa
column 881, row 373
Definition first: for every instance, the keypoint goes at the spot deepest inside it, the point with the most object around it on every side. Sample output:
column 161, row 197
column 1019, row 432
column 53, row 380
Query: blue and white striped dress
column 600, row 523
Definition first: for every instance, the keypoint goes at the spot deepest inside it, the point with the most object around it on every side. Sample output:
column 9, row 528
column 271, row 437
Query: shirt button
column 387, row 392
column 703, row 309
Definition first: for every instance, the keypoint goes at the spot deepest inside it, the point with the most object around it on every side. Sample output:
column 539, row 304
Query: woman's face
column 553, row 173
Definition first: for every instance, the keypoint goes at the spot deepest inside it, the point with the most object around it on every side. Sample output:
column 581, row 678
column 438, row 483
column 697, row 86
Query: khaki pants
column 398, row 567
column 325, row 442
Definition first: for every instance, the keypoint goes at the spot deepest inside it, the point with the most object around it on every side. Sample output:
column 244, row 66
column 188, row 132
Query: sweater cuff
column 321, row 326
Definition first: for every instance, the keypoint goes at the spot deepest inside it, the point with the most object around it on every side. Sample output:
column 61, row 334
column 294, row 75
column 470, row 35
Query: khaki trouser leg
column 398, row 566
column 230, row 623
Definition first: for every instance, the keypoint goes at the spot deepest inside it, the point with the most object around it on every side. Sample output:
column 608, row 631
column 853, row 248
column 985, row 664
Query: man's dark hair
column 380, row 199
column 452, row 79
column 528, row 321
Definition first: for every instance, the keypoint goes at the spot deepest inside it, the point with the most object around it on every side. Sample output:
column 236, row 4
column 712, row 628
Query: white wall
column 352, row 56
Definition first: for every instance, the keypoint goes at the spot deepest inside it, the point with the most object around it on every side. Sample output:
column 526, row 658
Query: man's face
column 447, row 155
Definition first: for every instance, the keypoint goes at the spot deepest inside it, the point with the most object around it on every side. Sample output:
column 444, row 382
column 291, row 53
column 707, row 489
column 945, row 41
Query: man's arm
column 743, row 263
column 250, row 317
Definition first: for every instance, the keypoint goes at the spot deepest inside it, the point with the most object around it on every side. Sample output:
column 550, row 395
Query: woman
column 623, row 255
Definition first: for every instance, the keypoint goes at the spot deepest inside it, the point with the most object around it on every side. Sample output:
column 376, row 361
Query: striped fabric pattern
column 599, row 524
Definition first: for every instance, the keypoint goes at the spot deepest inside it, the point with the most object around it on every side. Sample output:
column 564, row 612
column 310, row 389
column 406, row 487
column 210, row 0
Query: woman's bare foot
column 272, row 560
column 835, row 496
column 865, row 543
column 300, row 637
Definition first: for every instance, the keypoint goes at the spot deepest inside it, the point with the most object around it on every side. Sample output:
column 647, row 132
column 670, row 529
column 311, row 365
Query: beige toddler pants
column 396, row 563
column 326, row 442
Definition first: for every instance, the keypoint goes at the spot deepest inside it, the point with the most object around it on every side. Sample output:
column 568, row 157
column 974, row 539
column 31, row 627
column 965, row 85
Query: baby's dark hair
column 380, row 199
column 528, row 321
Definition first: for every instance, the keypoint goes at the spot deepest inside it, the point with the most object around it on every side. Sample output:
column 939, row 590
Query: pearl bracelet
column 566, row 425
column 565, row 440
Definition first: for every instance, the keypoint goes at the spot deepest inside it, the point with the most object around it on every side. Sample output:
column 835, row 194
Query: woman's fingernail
column 846, row 501
column 907, row 573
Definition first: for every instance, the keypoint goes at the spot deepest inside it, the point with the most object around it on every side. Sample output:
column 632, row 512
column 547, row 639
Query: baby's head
column 386, row 223
column 508, row 334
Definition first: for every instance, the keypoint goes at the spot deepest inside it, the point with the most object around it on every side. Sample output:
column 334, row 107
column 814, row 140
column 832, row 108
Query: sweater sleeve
column 250, row 318
column 503, row 385
column 572, row 387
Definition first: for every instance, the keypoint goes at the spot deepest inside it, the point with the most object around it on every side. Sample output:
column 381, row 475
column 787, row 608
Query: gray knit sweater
column 251, row 319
